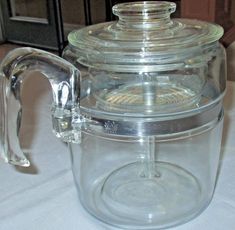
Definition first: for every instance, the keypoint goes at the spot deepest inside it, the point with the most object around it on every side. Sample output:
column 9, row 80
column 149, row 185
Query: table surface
column 44, row 197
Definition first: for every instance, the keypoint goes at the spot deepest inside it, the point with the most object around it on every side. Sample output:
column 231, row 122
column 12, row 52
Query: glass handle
column 64, row 79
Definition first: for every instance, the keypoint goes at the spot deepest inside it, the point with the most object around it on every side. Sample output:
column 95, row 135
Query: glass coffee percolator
column 139, row 102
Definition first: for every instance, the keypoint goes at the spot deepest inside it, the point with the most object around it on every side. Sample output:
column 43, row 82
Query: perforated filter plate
column 158, row 96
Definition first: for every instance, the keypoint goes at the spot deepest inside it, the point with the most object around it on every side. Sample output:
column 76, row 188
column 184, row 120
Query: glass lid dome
column 142, row 35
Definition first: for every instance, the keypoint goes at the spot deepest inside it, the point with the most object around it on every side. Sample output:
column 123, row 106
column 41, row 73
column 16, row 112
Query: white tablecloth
column 44, row 197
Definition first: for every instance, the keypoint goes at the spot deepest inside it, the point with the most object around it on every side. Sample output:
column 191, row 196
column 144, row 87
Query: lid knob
column 144, row 14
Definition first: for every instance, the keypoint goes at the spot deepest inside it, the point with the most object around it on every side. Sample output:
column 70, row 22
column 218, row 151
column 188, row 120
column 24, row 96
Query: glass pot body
column 150, row 161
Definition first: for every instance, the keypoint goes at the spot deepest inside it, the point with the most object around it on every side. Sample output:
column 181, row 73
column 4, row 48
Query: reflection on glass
column 29, row 8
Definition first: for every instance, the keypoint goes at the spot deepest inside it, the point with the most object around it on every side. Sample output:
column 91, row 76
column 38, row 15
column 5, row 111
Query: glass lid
column 142, row 35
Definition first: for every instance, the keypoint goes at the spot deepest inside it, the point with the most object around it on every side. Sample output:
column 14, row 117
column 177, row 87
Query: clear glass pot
column 140, row 103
